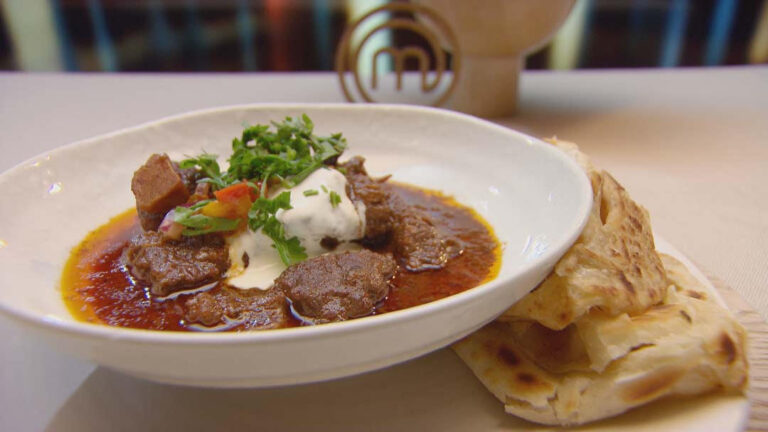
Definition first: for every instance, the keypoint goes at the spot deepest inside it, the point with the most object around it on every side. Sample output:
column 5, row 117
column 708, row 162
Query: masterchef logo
column 359, row 81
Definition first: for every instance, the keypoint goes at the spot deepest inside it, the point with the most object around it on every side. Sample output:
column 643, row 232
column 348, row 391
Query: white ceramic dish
column 536, row 198
column 435, row 392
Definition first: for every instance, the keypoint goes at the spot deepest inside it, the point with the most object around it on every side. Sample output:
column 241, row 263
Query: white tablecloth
column 689, row 145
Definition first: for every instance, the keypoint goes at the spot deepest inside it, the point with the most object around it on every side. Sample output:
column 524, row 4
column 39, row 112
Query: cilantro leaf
column 200, row 204
column 291, row 251
column 262, row 216
column 290, row 152
column 208, row 165
column 198, row 224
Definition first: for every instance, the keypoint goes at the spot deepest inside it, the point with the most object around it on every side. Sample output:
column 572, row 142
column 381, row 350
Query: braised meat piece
column 158, row 187
column 251, row 309
column 337, row 287
column 410, row 231
column 190, row 176
column 168, row 265
column 379, row 215
column 150, row 221
column 202, row 191
column 417, row 243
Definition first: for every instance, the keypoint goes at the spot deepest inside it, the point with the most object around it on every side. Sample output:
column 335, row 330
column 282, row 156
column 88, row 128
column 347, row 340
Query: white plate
column 536, row 198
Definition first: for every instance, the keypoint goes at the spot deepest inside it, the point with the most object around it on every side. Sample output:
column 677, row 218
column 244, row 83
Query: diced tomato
column 234, row 193
column 232, row 202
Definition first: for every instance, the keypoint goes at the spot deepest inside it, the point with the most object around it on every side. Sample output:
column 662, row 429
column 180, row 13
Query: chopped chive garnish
column 335, row 199
column 311, row 192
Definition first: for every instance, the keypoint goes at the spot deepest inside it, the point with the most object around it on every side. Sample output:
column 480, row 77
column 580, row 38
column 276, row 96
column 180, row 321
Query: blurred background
column 301, row 35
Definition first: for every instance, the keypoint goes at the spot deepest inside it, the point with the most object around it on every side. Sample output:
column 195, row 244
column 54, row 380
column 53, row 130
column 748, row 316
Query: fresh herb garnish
column 325, row 189
column 310, row 192
column 335, row 199
column 209, row 167
column 289, row 153
column 200, row 204
column 262, row 215
column 198, row 224
column 284, row 154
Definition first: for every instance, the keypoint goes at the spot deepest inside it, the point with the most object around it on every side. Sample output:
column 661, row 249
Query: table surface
column 691, row 145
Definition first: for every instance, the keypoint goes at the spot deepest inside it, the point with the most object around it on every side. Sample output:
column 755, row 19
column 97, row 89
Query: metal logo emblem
column 348, row 52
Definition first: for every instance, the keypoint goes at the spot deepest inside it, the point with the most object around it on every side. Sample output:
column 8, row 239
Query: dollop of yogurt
column 314, row 216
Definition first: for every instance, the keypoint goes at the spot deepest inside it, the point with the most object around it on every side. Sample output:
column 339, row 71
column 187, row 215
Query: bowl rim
column 94, row 330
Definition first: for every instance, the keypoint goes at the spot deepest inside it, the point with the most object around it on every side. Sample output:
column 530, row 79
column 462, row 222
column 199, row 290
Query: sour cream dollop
column 313, row 217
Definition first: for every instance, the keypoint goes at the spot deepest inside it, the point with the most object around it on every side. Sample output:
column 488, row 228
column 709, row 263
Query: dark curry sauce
column 97, row 287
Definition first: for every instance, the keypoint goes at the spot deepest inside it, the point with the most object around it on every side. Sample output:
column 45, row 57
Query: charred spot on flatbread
column 627, row 284
column 728, row 348
column 686, row 316
column 527, row 379
column 508, row 356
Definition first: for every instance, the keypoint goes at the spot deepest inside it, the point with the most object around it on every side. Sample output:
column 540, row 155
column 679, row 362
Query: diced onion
column 169, row 228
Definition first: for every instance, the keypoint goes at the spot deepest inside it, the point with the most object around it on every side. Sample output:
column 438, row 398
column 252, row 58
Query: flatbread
column 613, row 266
column 685, row 345
column 615, row 325
column 608, row 338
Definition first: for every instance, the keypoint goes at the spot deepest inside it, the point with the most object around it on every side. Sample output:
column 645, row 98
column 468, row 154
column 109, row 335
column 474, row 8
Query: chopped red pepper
column 234, row 193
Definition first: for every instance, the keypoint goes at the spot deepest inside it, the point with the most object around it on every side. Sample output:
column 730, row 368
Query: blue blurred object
column 674, row 34
column 246, row 32
column 194, row 36
column 720, row 31
column 161, row 37
column 65, row 43
column 323, row 33
column 104, row 48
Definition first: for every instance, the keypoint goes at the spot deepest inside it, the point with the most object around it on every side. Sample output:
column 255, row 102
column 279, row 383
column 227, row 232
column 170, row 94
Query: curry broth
column 98, row 288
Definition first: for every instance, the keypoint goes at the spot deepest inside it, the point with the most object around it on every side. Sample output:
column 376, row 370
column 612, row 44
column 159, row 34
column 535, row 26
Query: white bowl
column 536, row 198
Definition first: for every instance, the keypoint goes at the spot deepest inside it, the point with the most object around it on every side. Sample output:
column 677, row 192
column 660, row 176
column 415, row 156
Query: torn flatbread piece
column 613, row 266
column 614, row 326
column 686, row 345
